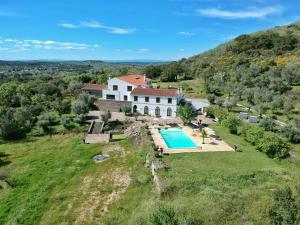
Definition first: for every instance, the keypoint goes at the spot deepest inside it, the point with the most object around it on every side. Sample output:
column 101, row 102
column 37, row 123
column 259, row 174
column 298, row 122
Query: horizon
column 133, row 30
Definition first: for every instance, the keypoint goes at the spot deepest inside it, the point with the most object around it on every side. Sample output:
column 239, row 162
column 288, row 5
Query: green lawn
column 55, row 181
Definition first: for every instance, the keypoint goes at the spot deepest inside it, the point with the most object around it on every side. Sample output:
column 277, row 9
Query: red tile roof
column 135, row 79
column 97, row 87
column 155, row 92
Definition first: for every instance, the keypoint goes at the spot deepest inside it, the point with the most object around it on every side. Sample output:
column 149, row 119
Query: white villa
column 137, row 92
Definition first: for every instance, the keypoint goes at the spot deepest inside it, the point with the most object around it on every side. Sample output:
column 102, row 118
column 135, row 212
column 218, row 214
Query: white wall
column 163, row 105
column 122, row 89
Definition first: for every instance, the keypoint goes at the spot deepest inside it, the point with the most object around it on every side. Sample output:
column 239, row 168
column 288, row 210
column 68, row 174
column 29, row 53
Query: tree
column 88, row 99
column 273, row 145
column 8, row 94
column 79, row 107
column 261, row 109
column 106, row 116
column 232, row 123
column 291, row 133
column 15, row 124
column 74, row 87
column 268, row 124
column 291, row 73
column 47, row 119
column 186, row 113
column 285, row 210
column 153, row 71
column 211, row 98
column 230, row 104
column 203, row 134
column 252, row 134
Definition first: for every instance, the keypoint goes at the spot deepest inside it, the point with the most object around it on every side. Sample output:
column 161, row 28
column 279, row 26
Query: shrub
column 163, row 215
column 232, row 123
column 47, row 119
column 253, row 134
column 14, row 125
column 273, row 145
column 79, row 107
column 268, row 124
column 291, row 133
column 217, row 112
column 88, row 99
column 106, row 116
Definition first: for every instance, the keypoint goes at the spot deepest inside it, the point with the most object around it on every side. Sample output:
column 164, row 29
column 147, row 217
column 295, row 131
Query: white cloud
column 15, row 45
column 246, row 14
column 144, row 49
column 95, row 24
column 185, row 33
column 68, row 25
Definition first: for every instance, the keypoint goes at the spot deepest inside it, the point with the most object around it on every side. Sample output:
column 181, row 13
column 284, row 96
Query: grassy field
column 55, row 181
column 191, row 88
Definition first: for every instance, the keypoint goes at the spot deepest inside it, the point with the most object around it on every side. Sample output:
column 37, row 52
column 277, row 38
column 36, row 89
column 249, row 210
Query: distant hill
column 26, row 70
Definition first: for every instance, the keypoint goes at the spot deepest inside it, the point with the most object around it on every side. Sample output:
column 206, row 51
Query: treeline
column 25, row 71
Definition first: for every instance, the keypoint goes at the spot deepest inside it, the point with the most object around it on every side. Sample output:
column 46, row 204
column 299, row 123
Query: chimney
column 144, row 77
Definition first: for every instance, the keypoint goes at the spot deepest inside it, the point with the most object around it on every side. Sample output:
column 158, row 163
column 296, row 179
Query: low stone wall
column 112, row 105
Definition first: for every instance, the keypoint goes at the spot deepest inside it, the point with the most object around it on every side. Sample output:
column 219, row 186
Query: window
column 134, row 108
column 146, row 99
column 157, row 100
column 170, row 100
column 169, row 112
column 135, row 98
column 146, row 110
column 115, row 87
column 125, row 98
column 157, row 111
column 129, row 88
column 110, row 97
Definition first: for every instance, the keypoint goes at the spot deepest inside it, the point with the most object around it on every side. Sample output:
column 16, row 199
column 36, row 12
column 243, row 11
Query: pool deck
column 211, row 144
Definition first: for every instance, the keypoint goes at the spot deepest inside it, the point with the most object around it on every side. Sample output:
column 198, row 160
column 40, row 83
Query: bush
column 291, row 133
column 163, row 215
column 15, row 125
column 79, row 107
column 217, row 112
column 273, row 145
column 253, row 134
column 48, row 119
column 232, row 123
column 88, row 99
column 268, row 124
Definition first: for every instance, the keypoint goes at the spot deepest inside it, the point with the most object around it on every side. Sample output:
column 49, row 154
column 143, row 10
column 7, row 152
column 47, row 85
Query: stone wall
column 111, row 105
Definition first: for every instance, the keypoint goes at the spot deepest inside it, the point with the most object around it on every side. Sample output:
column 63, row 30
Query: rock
column 100, row 157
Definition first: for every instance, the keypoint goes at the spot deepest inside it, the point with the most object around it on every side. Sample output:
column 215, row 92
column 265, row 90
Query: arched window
column 134, row 108
column 146, row 110
column 157, row 111
column 169, row 112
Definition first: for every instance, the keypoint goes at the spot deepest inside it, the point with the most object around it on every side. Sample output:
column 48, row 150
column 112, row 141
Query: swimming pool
column 176, row 138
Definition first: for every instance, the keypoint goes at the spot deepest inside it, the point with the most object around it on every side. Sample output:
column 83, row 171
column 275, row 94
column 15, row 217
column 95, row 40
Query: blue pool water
column 176, row 138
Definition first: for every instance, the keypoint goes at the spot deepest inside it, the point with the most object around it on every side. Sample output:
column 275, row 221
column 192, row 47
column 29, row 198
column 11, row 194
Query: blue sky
column 131, row 29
